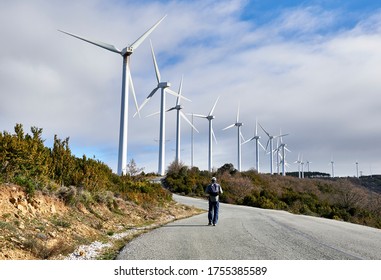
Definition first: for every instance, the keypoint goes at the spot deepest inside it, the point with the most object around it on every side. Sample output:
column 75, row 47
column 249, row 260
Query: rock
column 53, row 209
column 41, row 236
column 52, row 234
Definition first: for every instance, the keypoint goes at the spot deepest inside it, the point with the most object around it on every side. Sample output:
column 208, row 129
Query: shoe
column 209, row 224
column 214, row 225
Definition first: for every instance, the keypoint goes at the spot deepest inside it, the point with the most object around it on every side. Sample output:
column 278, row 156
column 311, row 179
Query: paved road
column 252, row 233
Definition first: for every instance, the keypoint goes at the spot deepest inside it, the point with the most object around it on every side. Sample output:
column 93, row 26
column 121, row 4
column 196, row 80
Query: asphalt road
column 254, row 234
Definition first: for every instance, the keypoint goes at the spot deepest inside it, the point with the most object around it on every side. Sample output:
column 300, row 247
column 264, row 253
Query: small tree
column 133, row 169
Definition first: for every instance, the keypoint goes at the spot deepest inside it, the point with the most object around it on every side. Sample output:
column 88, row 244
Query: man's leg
column 210, row 213
column 216, row 209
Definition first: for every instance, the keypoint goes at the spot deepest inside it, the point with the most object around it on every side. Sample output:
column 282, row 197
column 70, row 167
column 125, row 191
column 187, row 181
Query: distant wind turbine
column 256, row 137
column 357, row 169
column 126, row 84
column 178, row 108
column 238, row 124
column 299, row 162
column 333, row 167
column 164, row 86
column 270, row 142
column 210, row 118
column 282, row 148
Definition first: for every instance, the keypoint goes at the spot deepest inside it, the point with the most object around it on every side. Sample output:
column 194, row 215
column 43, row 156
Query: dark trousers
column 213, row 212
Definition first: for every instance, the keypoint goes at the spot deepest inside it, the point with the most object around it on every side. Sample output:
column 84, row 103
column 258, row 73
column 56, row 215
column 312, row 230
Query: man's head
column 214, row 179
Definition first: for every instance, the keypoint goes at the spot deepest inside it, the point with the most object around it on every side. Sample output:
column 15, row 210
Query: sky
column 309, row 69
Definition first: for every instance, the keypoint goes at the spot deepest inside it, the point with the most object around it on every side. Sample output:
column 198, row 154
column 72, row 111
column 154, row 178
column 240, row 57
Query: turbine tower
column 210, row 118
column 178, row 108
column 257, row 144
column 357, row 169
column 270, row 142
column 126, row 84
column 238, row 124
column 164, row 86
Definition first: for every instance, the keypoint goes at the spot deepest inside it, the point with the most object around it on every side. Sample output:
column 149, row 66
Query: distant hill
column 372, row 183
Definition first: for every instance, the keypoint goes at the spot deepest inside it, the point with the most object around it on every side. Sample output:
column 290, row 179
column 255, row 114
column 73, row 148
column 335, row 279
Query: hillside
column 51, row 201
column 45, row 227
column 347, row 199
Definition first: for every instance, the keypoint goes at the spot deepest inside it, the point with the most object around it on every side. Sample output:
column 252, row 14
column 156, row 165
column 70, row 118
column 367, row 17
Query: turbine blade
column 152, row 92
column 267, row 145
column 214, row 106
column 243, row 138
column 157, row 72
column 144, row 103
column 237, row 119
column 188, row 121
column 168, row 90
column 214, row 136
column 260, row 144
column 256, row 127
column 230, row 126
column 180, row 91
column 247, row 141
column 199, row 116
column 140, row 40
column 171, row 109
column 153, row 114
column 133, row 93
column 94, row 42
column 264, row 131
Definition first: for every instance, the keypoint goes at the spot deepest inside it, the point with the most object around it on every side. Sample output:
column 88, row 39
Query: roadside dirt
column 43, row 227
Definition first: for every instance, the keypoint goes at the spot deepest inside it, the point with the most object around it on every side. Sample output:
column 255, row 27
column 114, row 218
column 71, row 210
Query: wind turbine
column 270, row 141
column 238, row 124
column 308, row 165
column 164, row 86
column 332, row 166
column 126, row 84
column 256, row 137
column 357, row 169
column 282, row 147
column 210, row 118
column 299, row 162
column 178, row 108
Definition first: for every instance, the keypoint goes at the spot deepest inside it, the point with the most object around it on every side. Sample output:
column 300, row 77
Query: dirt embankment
column 43, row 227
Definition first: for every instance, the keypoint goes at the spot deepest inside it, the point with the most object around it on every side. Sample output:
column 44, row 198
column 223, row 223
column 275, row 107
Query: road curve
column 254, row 234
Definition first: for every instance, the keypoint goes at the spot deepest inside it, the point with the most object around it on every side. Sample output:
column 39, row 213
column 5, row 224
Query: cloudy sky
column 307, row 68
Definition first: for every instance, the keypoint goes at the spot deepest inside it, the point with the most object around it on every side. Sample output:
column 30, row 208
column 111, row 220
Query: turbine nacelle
column 164, row 84
column 238, row 124
column 210, row 118
column 127, row 51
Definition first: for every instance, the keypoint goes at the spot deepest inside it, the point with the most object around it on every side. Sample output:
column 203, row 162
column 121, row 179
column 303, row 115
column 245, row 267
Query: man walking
column 214, row 190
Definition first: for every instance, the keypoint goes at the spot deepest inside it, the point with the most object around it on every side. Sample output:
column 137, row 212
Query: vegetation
column 342, row 199
column 24, row 160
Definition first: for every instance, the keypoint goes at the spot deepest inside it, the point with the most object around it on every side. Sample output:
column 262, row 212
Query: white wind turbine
column 282, row 148
column 270, row 142
column 299, row 161
column 210, row 118
column 256, row 137
column 164, row 86
column 357, row 169
column 238, row 124
column 126, row 84
column 332, row 167
column 178, row 108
